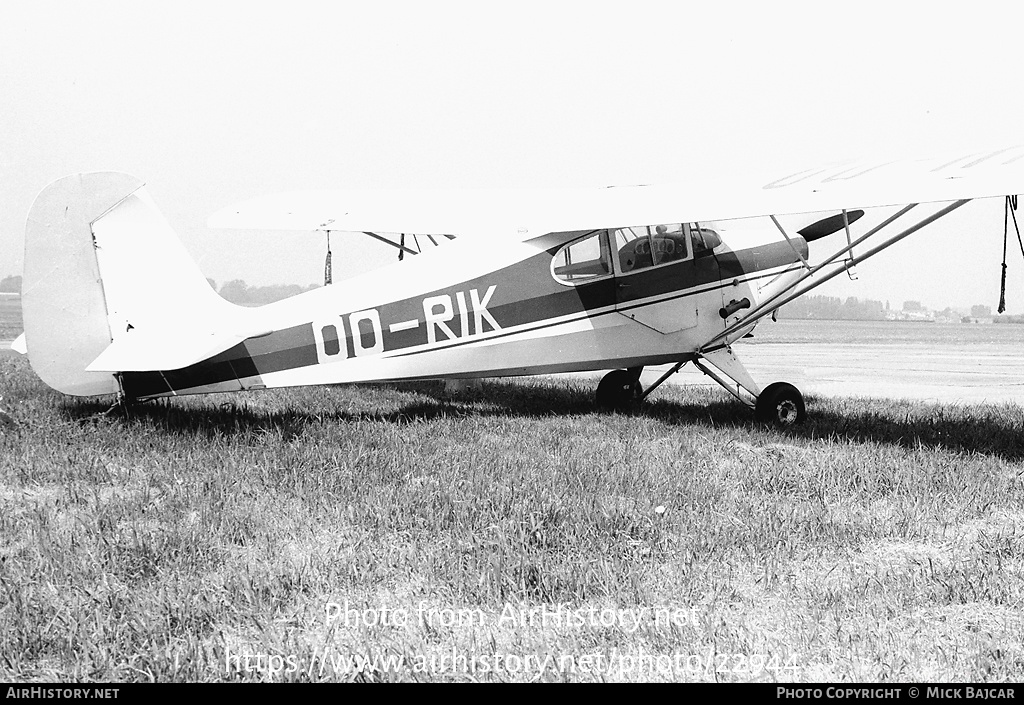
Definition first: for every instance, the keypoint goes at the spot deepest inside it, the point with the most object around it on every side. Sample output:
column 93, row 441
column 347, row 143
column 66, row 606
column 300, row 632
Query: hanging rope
column 1010, row 209
column 401, row 252
column 327, row 263
column 1006, row 232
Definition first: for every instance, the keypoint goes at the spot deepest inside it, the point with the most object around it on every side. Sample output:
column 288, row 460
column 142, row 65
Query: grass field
column 506, row 533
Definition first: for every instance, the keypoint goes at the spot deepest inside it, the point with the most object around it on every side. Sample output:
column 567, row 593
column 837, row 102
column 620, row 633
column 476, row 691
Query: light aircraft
column 520, row 282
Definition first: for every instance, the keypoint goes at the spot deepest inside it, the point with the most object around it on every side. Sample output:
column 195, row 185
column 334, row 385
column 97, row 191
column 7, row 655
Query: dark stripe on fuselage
column 588, row 314
column 282, row 350
column 524, row 293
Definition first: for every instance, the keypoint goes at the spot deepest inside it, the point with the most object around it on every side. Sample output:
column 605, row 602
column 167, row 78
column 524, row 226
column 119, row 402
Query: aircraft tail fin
column 103, row 268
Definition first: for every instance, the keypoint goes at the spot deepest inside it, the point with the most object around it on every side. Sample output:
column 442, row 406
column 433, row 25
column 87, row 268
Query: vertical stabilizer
column 102, row 266
column 62, row 295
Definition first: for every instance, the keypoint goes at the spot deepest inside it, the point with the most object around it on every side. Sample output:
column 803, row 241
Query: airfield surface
column 968, row 363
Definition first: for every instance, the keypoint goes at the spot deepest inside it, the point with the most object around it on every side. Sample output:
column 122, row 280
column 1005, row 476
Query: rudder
column 100, row 262
column 62, row 299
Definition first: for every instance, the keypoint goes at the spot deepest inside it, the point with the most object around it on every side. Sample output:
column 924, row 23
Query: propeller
column 829, row 225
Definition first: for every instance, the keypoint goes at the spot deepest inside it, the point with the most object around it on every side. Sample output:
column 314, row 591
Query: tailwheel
column 619, row 390
column 781, row 405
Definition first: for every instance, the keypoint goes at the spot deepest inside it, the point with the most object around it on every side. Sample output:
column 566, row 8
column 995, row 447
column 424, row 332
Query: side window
column 704, row 239
column 584, row 260
column 651, row 245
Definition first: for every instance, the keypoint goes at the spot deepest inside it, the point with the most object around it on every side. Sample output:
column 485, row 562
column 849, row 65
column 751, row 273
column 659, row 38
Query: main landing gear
column 780, row 404
column 620, row 390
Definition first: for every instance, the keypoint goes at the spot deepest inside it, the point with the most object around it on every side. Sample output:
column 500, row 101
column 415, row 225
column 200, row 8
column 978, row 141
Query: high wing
column 527, row 213
column 395, row 211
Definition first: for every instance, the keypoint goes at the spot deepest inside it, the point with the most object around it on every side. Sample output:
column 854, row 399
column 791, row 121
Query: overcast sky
column 212, row 103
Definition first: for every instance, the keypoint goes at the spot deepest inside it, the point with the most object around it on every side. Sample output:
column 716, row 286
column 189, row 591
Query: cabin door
column 664, row 275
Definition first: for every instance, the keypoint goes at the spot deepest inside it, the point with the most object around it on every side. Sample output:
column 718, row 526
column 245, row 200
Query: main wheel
column 619, row 390
column 781, row 405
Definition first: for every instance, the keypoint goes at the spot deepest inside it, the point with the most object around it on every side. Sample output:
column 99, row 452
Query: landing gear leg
column 779, row 404
column 620, row 390
column 123, row 403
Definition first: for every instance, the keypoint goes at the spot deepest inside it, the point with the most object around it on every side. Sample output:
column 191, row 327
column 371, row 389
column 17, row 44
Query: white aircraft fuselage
column 476, row 308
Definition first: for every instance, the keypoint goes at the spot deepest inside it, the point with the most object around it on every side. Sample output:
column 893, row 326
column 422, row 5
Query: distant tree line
column 834, row 309
column 238, row 292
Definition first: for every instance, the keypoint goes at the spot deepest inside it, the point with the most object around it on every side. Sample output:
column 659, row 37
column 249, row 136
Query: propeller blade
column 829, row 225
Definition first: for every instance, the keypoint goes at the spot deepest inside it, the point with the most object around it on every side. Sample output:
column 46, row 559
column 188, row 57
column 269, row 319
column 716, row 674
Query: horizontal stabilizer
column 164, row 350
column 19, row 345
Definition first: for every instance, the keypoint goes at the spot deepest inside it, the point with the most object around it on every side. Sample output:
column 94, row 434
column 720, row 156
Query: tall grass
column 881, row 541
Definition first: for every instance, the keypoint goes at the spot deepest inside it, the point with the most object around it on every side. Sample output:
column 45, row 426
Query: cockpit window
column 652, row 245
column 704, row 239
column 584, row 260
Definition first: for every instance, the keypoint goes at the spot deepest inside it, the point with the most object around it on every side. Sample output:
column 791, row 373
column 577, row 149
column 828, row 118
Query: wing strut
column 401, row 247
column 794, row 291
column 790, row 241
column 849, row 243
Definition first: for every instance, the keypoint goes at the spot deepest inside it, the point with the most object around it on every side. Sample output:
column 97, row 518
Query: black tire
column 781, row 405
column 619, row 390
